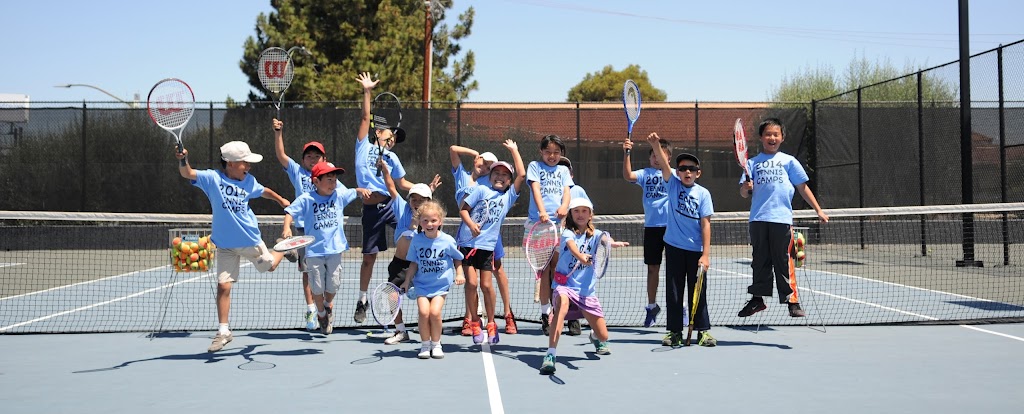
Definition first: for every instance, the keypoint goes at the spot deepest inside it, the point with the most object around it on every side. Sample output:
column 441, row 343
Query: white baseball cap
column 422, row 190
column 580, row 202
column 503, row 164
column 489, row 157
column 236, row 151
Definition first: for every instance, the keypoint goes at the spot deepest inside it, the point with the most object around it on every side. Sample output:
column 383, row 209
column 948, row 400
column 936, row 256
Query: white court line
column 83, row 283
column 918, row 315
column 100, row 303
column 493, row 393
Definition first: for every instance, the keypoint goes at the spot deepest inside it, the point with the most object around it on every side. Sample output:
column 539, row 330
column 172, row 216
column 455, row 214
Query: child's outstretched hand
column 627, row 145
column 180, row 155
column 436, row 182
column 510, row 145
column 366, row 80
column 278, row 124
column 653, row 139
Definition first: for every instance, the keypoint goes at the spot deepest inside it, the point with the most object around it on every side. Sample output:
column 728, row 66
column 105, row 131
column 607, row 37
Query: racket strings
column 275, row 70
column 600, row 257
column 171, row 104
column 385, row 303
column 631, row 98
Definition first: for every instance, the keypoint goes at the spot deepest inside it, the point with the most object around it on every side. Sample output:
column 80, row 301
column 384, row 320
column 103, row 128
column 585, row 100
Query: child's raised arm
column 388, row 181
column 282, row 156
column 517, row 161
column 184, row 169
column 627, row 166
column 367, row 83
column 456, row 152
column 666, row 168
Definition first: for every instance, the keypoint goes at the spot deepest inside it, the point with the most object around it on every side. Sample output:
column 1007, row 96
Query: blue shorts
column 376, row 218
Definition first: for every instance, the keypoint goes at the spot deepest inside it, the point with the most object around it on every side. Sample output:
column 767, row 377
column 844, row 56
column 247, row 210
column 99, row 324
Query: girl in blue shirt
column 549, row 193
column 435, row 263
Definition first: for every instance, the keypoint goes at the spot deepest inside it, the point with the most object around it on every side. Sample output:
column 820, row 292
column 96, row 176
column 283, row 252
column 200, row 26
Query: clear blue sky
column 526, row 50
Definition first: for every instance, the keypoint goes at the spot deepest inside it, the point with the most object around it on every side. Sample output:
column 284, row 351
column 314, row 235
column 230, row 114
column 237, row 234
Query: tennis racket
column 697, row 289
column 539, row 245
column 171, row 104
column 739, row 142
column 387, row 114
column 292, row 243
column 276, row 72
column 385, row 303
column 631, row 102
column 602, row 255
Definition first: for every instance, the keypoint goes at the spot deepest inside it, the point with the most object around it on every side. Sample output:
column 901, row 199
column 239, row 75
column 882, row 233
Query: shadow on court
column 247, row 352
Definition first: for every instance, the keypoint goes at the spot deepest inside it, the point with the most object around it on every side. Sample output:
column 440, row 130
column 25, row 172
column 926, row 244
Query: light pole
column 134, row 104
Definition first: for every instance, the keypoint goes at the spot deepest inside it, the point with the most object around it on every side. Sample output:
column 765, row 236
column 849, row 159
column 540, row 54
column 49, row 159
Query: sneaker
column 754, row 305
column 467, row 327
column 424, row 352
column 574, row 327
column 327, row 326
column 704, row 338
column 544, row 322
column 397, row 338
column 795, row 310
column 600, row 346
column 548, row 366
column 291, row 255
column 672, row 339
column 219, row 341
column 311, row 322
column 492, row 332
column 478, row 335
column 510, row 324
column 360, row 315
column 436, row 352
column 652, row 315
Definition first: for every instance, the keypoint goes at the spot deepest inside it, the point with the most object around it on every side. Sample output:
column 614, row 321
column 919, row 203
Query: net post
column 920, row 159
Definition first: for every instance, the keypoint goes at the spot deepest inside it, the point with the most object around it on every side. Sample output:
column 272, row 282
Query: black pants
column 771, row 243
column 680, row 277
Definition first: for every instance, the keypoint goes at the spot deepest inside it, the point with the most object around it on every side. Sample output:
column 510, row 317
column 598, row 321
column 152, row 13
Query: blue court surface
column 920, row 369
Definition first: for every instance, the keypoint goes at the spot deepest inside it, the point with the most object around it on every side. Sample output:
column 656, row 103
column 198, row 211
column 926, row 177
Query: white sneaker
column 397, row 338
column 437, row 353
column 424, row 352
column 311, row 322
column 219, row 341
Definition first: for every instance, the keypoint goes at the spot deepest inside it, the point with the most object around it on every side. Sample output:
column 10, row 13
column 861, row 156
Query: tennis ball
column 194, row 257
column 182, row 256
column 176, row 241
column 194, row 265
column 202, row 242
column 194, row 246
column 800, row 240
column 186, row 248
column 174, row 253
column 203, row 265
column 203, row 254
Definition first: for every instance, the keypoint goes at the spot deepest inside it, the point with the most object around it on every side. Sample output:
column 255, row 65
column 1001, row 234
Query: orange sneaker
column 478, row 335
column 466, row 329
column 492, row 332
column 510, row 324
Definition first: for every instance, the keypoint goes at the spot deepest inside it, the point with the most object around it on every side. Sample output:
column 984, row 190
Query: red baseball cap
column 322, row 168
column 314, row 144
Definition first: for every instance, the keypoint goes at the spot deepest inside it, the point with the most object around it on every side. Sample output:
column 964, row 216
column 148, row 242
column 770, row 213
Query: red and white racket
column 740, row 146
column 293, row 243
column 276, row 73
column 171, row 104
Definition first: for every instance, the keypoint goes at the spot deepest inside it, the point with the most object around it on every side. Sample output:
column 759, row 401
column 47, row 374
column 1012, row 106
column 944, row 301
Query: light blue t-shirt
column 687, row 205
column 403, row 216
column 435, row 260
column 496, row 204
column 655, row 196
column 234, row 223
column 582, row 281
column 774, row 179
column 552, row 181
column 366, row 166
column 464, row 181
column 301, row 179
column 323, row 217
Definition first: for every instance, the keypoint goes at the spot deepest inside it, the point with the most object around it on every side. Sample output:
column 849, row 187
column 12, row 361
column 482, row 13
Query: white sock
column 224, row 329
column 551, row 351
column 321, row 313
column 362, row 296
column 427, row 344
column 400, row 327
column 651, row 305
column 437, row 344
column 312, row 307
column 545, row 309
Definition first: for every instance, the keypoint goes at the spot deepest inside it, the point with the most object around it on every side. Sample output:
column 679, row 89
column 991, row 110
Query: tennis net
column 113, row 272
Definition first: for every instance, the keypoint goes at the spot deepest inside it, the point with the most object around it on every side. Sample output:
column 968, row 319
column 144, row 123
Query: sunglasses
column 692, row 168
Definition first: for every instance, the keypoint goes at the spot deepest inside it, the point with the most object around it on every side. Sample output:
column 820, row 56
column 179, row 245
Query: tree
column 345, row 37
column 890, row 84
column 606, row 85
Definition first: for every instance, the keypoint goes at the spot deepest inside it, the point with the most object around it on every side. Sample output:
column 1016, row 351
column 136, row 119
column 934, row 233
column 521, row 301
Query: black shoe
column 754, row 305
column 574, row 327
column 544, row 323
column 795, row 311
column 360, row 316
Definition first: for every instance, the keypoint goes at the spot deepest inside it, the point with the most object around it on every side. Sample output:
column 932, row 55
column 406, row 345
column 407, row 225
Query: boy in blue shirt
column 656, row 212
column 300, row 175
column 235, row 230
column 687, row 244
column 321, row 214
column 774, row 176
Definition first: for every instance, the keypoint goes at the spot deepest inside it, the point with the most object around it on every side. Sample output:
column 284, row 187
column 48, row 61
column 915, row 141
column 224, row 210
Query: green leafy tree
column 345, row 37
column 823, row 82
column 606, row 85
